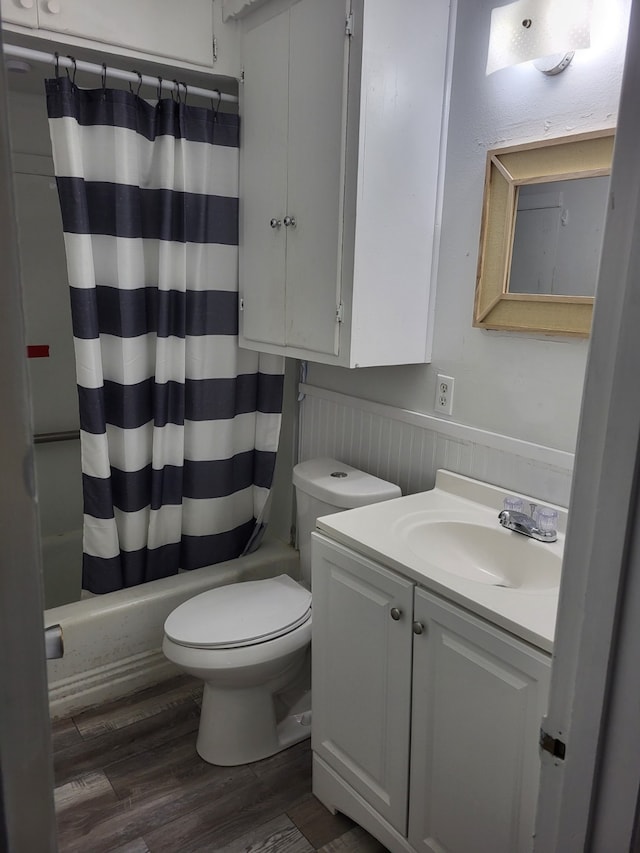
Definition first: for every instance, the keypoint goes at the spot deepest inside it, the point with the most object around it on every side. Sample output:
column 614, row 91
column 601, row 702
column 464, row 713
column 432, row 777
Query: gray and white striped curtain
column 179, row 426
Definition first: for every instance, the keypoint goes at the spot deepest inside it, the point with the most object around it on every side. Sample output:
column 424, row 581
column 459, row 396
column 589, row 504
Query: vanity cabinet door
column 479, row 696
column 361, row 664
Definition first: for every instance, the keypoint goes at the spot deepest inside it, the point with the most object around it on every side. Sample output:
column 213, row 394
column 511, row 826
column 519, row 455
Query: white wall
column 522, row 386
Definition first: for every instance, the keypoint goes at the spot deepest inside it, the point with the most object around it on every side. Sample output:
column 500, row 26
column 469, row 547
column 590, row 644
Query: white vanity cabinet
column 426, row 718
column 180, row 31
column 342, row 107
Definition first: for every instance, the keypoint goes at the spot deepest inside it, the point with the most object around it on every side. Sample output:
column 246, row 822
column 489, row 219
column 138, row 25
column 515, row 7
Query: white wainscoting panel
column 408, row 448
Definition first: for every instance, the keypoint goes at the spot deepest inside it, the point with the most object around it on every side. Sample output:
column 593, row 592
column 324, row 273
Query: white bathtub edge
column 113, row 642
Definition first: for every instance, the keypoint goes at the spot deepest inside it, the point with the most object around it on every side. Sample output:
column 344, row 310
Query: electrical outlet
column 444, row 394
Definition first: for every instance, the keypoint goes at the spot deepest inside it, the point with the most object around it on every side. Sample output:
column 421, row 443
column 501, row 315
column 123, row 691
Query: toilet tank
column 324, row 486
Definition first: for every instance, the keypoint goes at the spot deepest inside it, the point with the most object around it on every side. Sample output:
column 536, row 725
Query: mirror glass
column 543, row 224
column 558, row 236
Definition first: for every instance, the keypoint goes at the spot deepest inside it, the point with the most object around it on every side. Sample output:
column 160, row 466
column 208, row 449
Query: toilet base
column 239, row 726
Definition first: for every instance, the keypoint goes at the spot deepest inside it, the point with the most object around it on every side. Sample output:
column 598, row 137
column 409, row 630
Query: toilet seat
column 240, row 614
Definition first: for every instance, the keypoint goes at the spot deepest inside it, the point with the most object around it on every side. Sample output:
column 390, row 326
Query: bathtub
column 113, row 642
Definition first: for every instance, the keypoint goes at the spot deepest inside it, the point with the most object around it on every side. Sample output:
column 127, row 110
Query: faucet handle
column 513, row 504
column 546, row 519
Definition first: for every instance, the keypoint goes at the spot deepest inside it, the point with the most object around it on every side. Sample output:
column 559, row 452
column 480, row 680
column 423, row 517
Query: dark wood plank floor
column 129, row 780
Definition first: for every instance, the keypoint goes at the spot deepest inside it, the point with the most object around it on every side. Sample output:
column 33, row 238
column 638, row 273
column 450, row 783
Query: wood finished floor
column 129, row 780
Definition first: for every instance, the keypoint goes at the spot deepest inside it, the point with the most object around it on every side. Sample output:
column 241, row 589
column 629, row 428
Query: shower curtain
column 179, row 426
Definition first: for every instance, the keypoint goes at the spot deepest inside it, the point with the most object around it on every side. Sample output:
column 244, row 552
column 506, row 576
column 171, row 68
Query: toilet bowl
column 246, row 641
column 249, row 642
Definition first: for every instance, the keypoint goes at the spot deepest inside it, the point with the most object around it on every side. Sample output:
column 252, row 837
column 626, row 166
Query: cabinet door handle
column 275, row 223
column 418, row 628
column 395, row 613
column 290, row 221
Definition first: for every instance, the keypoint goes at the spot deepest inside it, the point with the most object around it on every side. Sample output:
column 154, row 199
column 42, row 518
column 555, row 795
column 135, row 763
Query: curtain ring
column 175, row 93
column 139, row 83
column 104, row 81
column 159, row 89
column 57, row 56
column 216, row 109
column 75, row 68
column 186, row 92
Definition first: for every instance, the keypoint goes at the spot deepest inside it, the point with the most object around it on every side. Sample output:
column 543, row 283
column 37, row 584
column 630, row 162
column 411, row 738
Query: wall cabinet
column 22, row 12
column 342, row 108
column 161, row 28
column 426, row 718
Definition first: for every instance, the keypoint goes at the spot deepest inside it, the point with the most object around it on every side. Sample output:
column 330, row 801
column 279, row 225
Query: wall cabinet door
column 22, row 12
column 317, row 116
column 164, row 28
column 291, row 176
column 478, row 699
column 364, row 99
column 179, row 30
column 263, row 201
column 362, row 675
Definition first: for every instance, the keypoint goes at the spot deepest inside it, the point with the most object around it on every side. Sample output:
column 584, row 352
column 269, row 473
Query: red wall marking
column 38, row 351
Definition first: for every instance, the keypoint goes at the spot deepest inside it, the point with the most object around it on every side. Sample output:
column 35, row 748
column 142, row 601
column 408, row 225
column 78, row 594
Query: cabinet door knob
column 395, row 613
column 418, row 628
column 275, row 223
column 290, row 221
column 53, row 6
column 26, row 4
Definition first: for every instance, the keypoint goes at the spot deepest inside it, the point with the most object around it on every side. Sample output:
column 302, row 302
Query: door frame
column 27, row 817
column 588, row 801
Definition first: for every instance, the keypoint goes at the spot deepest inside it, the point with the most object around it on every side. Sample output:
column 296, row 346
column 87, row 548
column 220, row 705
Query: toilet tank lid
column 341, row 485
column 239, row 614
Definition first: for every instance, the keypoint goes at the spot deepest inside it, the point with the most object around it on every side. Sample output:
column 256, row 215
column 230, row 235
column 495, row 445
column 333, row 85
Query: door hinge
column 242, row 304
column 348, row 25
column 214, row 45
column 339, row 313
column 242, row 75
column 552, row 745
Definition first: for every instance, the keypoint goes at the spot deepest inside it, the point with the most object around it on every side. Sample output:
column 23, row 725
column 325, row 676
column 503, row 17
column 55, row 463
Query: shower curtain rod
column 30, row 55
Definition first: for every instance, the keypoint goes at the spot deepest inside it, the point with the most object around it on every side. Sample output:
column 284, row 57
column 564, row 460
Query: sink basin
column 487, row 555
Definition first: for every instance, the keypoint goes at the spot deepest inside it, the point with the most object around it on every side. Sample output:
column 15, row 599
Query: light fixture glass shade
column 529, row 29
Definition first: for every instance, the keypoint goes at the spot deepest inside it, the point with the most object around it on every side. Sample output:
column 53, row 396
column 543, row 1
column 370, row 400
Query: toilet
column 249, row 641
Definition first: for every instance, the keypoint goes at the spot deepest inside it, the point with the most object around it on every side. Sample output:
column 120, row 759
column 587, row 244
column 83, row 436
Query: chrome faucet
column 525, row 524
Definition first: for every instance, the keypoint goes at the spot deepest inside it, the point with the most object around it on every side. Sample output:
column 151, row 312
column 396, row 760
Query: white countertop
column 373, row 531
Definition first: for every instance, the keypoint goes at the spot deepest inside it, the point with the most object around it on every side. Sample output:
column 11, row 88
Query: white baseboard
column 108, row 682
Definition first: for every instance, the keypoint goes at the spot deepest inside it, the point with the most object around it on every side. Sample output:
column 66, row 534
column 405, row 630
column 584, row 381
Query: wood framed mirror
column 542, row 225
